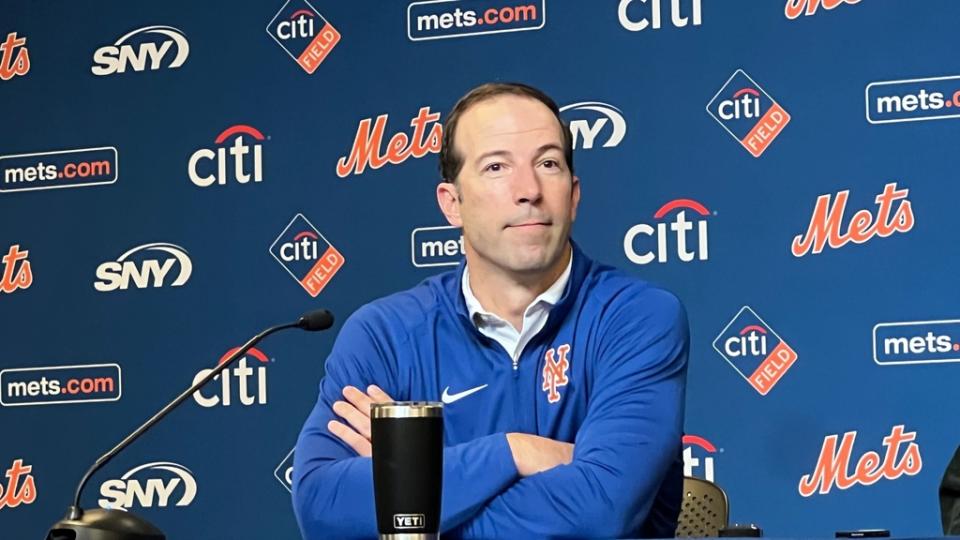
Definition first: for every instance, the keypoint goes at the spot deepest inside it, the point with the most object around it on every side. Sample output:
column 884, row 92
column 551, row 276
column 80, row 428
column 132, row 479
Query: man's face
column 515, row 197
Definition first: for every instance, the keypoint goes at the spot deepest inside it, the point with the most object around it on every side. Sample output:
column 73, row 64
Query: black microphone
column 120, row 525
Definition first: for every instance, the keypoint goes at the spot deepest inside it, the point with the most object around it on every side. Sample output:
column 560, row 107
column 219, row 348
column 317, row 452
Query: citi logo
column 249, row 384
column 795, row 8
column 16, row 270
column 825, row 226
column 303, row 33
column 698, row 455
column 629, row 19
column 149, row 44
column 208, row 167
column 14, row 62
column 306, row 255
column 591, row 118
column 284, row 472
column 748, row 113
column 686, row 249
column 147, row 272
column 157, row 484
column 754, row 350
column 368, row 143
column 21, row 487
column 833, row 466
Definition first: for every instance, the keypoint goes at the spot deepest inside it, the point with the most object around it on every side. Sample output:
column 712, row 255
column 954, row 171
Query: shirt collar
column 548, row 297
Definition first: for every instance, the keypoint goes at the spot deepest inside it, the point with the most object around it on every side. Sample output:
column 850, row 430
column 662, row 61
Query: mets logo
column 555, row 371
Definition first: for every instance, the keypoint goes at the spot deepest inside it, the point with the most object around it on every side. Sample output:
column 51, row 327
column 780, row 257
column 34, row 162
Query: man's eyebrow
column 540, row 151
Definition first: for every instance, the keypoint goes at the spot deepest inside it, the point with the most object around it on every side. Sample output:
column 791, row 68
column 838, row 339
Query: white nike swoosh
column 449, row 398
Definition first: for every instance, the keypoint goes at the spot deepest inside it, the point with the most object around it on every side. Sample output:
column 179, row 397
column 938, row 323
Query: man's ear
column 448, row 197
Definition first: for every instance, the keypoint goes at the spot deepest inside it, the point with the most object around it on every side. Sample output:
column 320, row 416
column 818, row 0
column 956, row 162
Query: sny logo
column 676, row 17
column 583, row 129
column 367, row 143
column 748, row 113
column 306, row 36
column 752, row 348
column 920, row 342
column 794, row 8
column 680, row 225
column 825, row 225
column 240, row 173
column 833, row 466
column 241, row 373
column 164, row 478
column 18, row 493
column 11, row 66
column 690, row 462
column 117, row 274
column 115, row 58
column 555, row 364
column 306, row 255
column 16, row 270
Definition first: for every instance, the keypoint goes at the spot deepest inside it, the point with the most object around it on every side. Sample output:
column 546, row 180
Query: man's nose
column 526, row 186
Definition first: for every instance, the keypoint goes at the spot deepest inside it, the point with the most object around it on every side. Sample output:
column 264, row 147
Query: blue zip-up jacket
column 625, row 346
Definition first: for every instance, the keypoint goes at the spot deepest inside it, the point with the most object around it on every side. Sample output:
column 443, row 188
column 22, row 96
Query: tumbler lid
column 407, row 409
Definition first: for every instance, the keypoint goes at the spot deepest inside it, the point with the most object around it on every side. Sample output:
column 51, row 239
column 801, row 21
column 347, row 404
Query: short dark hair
column 451, row 162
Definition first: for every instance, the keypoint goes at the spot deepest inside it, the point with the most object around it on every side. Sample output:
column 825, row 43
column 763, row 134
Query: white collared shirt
column 534, row 317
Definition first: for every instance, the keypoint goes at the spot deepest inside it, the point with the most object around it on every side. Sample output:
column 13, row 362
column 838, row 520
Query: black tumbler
column 407, row 440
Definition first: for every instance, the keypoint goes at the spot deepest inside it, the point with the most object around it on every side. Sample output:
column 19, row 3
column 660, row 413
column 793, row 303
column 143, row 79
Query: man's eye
column 551, row 163
column 494, row 167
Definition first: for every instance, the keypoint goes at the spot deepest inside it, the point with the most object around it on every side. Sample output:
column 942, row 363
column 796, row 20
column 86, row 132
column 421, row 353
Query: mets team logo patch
column 555, row 364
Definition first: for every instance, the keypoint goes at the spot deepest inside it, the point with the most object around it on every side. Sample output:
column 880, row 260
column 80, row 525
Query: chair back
column 705, row 509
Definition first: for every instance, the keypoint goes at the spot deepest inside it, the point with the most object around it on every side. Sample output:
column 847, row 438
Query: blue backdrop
column 177, row 175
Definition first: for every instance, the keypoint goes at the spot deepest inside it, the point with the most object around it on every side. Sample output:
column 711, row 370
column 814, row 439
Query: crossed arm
column 512, row 485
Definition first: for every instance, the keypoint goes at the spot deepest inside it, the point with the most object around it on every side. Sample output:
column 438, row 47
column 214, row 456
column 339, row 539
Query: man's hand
column 356, row 411
column 534, row 454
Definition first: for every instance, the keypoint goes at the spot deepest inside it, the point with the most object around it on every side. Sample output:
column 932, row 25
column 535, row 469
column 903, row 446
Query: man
column 563, row 380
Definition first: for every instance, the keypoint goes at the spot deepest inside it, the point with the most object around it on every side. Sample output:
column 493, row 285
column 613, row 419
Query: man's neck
column 508, row 294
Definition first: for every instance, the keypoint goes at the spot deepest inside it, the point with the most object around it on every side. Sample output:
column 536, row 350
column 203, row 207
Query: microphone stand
column 121, row 525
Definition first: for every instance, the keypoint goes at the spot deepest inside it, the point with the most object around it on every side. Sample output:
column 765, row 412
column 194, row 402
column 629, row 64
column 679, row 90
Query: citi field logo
column 825, row 226
column 795, row 8
column 207, row 167
column 142, row 49
column 833, row 465
column 748, row 113
column 306, row 36
column 439, row 19
column 642, row 14
column 284, row 472
column 919, row 342
column 698, row 455
column 158, row 484
column 21, row 487
column 248, row 384
column 51, row 385
column 61, row 169
column 638, row 242
column 752, row 348
column 368, row 143
column 144, row 267
column 555, row 365
column 16, row 270
column 913, row 100
column 306, row 255
column 587, row 121
column 15, row 58
column 436, row 246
